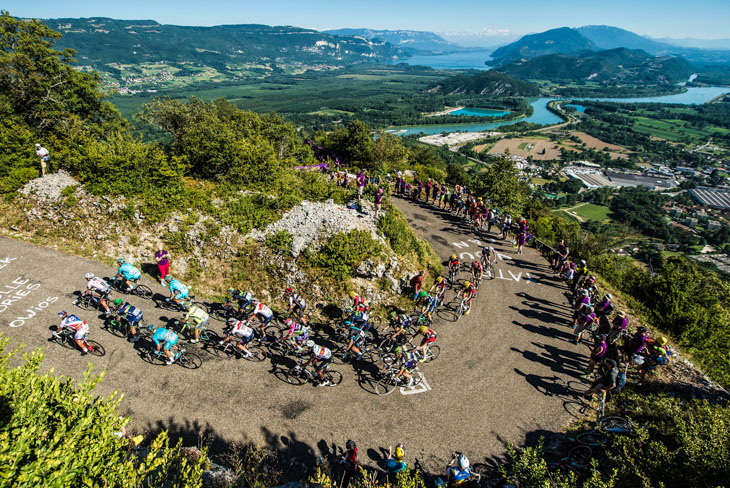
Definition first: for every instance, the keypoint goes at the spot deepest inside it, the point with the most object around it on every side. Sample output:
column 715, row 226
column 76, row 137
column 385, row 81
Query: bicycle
column 453, row 271
column 87, row 302
column 489, row 268
column 578, row 461
column 604, row 426
column 388, row 384
column 66, row 339
column 183, row 306
column 432, row 352
column 119, row 326
column 187, row 360
column 204, row 335
column 230, row 349
column 462, row 309
column 299, row 376
column 141, row 291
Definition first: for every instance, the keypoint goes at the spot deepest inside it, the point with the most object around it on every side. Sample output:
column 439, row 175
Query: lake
column 467, row 60
column 479, row 112
column 541, row 114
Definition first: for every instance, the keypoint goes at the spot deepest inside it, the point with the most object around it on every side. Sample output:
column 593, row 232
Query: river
column 541, row 114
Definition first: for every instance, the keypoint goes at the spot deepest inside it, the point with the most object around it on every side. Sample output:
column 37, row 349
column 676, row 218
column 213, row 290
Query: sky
column 487, row 19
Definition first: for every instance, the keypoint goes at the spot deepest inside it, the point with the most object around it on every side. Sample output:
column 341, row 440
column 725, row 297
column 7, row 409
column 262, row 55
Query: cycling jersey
column 357, row 334
column 454, row 262
column 470, row 290
column 131, row 314
column 263, row 310
column 179, row 290
column 409, row 361
column 165, row 336
column 430, row 303
column 476, row 266
column 242, row 298
column 321, row 353
column 429, row 336
column 98, row 285
column 457, row 475
column 73, row 322
column 197, row 316
column 298, row 331
column 297, row 300
column 129, row 271
column 242, row 329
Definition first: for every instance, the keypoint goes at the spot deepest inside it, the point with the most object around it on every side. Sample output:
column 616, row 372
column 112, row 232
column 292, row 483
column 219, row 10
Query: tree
column 500, row 183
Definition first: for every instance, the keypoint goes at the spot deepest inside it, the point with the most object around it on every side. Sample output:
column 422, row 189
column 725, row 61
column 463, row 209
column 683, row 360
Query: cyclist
column 131, row 315
column 97, row 287
column 429, row 305
column 657, row 354
column 400, row 324
column 319, row 357
column 428, row 337
column 358, row 303
column 243, row 331
column 489, row 256
column 242, row 298
column 166, row 339
column 457, row 471
column 298, row 333
column 296, row 303
column 80, row 328
column 198, row 318
column 477, row 271
column 395, row 463
column 469, row 290
column 607, row 381
column 264, row 315
column 357, row 339
column 408, row 362
column 454, row 265
column 587, row 320
column 128, row 273
column 618, row 325
column 178, row 291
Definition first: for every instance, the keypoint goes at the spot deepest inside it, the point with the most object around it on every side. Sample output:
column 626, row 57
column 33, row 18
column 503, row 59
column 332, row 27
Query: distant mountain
column 567, row 40
column 487, row 83
column 562, row 40
column 614, row 66
column 717, row 44
column 407, row 40
column 101, row 41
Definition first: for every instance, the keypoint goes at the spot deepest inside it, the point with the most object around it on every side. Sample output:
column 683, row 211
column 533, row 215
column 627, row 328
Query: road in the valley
column 502, row 374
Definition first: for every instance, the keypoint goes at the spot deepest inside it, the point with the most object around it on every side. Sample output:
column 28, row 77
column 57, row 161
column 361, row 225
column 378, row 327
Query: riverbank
column 446, row 111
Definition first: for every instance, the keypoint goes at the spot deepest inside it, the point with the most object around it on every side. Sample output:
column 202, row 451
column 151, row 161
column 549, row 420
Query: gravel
column 312, row 222
column 50, row 186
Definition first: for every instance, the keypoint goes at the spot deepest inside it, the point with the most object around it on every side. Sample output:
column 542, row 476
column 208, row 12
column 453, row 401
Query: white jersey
column 98, row 284
column 263, row 310
column 76, row 324
column 297, row 300
column 242, row 329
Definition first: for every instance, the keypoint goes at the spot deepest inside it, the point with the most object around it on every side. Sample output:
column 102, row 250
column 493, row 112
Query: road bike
column 432, row 352
column 299, row 376
column 183, row 306
column 141, row 291
column 187, row 360
column 230, row 349
column 463, row 308
column 489, row 268
column 91, row 301
column 204, row 335
column 604, row 426
column 65, row 338
column 119, row 326
column 578, row 461
column 453, row 271
column 390, row 382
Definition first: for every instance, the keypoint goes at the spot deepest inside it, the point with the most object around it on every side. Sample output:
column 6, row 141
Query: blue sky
column 705, row 19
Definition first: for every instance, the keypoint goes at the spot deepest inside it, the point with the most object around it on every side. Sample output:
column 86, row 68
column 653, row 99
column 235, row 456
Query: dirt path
column 576, row 216
column 502, row 373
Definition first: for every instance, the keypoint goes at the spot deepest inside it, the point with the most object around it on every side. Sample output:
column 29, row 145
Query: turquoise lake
column 479, row 112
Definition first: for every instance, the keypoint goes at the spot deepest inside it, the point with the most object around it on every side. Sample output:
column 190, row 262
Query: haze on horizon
column 492, row 21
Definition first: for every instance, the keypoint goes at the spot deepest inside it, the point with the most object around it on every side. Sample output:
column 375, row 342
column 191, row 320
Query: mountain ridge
column 408, row 40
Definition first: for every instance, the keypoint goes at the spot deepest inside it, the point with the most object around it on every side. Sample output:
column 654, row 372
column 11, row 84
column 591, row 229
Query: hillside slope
column 611, row 66
column 489, row 83
column 561, row 40
column 408, row 40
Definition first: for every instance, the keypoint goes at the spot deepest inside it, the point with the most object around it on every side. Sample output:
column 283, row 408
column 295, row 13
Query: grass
column 591, row 211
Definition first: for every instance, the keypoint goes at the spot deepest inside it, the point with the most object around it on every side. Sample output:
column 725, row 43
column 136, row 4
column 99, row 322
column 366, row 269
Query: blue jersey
column 132, row 315
column 180, row 290
column 129, row 271
column 392, row 466
column 459, row 475
column 165, row 336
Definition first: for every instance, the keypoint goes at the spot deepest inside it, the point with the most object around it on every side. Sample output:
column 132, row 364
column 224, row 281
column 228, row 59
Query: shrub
column 280, row 241
column 57, row 433
column 343, row 252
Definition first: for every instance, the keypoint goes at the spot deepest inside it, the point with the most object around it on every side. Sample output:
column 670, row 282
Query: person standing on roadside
column 361, row 181
column 42, row 153
column 378, row 202
column 163, row 262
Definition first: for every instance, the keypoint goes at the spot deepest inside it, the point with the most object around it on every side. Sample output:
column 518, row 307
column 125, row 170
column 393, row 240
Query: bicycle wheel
column 95, row 349
column 208, row 336
column 84, row 303
column 433, row 353
column 580, row 457
column 334, row 377
column 592, row 438
column 384, row 387
column 294, row 377
column 65, row 340
column 386, row 345
column 201, row 305
column 223, row 352
column 258, row 353
column 115, row 327
column 143, row 291
column 375, row 323
column 189, row 360
column 616, row 425
column 389, row 359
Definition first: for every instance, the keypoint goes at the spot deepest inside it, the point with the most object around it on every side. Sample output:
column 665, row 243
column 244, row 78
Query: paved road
column 500, row 377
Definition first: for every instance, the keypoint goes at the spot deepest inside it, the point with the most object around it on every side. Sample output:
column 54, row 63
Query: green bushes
column 341, row 254
column 57, row 433
column 401, row 239
column 280, row 241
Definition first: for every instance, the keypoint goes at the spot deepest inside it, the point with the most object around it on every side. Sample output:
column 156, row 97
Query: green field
column 588, row 211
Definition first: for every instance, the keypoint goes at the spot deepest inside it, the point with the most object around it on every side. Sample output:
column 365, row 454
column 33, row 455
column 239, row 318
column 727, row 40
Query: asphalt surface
column 503, row 374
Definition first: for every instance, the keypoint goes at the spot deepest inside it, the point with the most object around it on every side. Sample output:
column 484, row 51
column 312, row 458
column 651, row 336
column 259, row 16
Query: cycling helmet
column 621, row 313
column 88, row 276
column 288, row 291
column 231, row 320
column 467, row 284
column 397, row 350
column 168, row 278
column 353, row 294
column 583, row 262
column 288, row 322
column 62, row 314
column 309, row 343
column 462, row 462
column 423, row 329
column 439, row 279
column 230, row 291
column 393, row 315
column 118, row 302
column 453, row 256
column 584, row 293
column 607, row 296
column 423, row 294
column 662, row 341
column 399, row 452
column 350, row 445
column 490, row 248
column 120, row 261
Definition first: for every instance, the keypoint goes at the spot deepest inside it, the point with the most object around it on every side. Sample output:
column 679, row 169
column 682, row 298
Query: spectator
column 42, row 153
column 395, row 463
column 361, row 181
column 378, row 202
column 163, row 262
column 416, row 283
column 607, row 382
column 349, row 463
